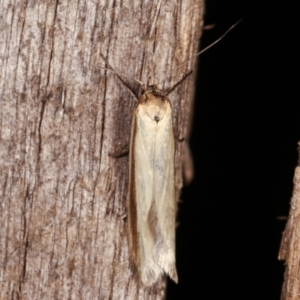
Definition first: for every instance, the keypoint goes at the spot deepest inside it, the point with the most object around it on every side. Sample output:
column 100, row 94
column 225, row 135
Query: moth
column 151, row 198
column 151, row 202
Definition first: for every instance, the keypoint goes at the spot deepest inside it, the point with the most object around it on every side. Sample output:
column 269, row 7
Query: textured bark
column 63, row 197
column 290, row 245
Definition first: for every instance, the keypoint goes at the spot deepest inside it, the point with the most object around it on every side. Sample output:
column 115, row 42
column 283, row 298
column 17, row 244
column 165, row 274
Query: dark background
column 244, row 144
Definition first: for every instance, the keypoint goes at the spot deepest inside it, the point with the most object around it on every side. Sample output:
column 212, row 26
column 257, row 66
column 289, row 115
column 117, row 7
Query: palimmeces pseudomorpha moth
column 151, row 206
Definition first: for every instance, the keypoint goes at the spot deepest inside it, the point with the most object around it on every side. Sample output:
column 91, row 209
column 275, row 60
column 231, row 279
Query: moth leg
column 123, row 151
column 124, row 216
column 179, row 139
column 120, row 147
column 187, row 162
column 187, row 165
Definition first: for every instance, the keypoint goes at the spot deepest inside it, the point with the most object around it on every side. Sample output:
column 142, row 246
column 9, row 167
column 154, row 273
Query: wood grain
column 62, row 234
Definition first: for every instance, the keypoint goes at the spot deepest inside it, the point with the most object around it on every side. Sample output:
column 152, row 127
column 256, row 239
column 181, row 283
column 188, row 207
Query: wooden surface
column 290, row 245
column 63, row 197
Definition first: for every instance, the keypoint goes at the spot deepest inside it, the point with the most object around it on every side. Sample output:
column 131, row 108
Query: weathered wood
column 63, row 197
column 290, row 244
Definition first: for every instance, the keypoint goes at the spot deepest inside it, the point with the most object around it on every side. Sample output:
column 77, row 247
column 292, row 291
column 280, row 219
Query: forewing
column 151, row 200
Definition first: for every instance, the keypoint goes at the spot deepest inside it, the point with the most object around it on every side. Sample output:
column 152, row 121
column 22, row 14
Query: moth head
column 154, row 104
column 154, row 90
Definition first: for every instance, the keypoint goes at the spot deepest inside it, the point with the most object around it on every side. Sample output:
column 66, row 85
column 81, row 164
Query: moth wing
column 140, row 199
column 164, row 195
column 131, row 201
column 152, row 205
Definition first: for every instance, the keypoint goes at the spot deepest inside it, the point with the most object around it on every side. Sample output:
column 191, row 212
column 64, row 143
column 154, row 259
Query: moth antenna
column 185, row 76
column 208, row 27
column 211, row 45
column 155, row 18
column 123, row 75
column 118, row 73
